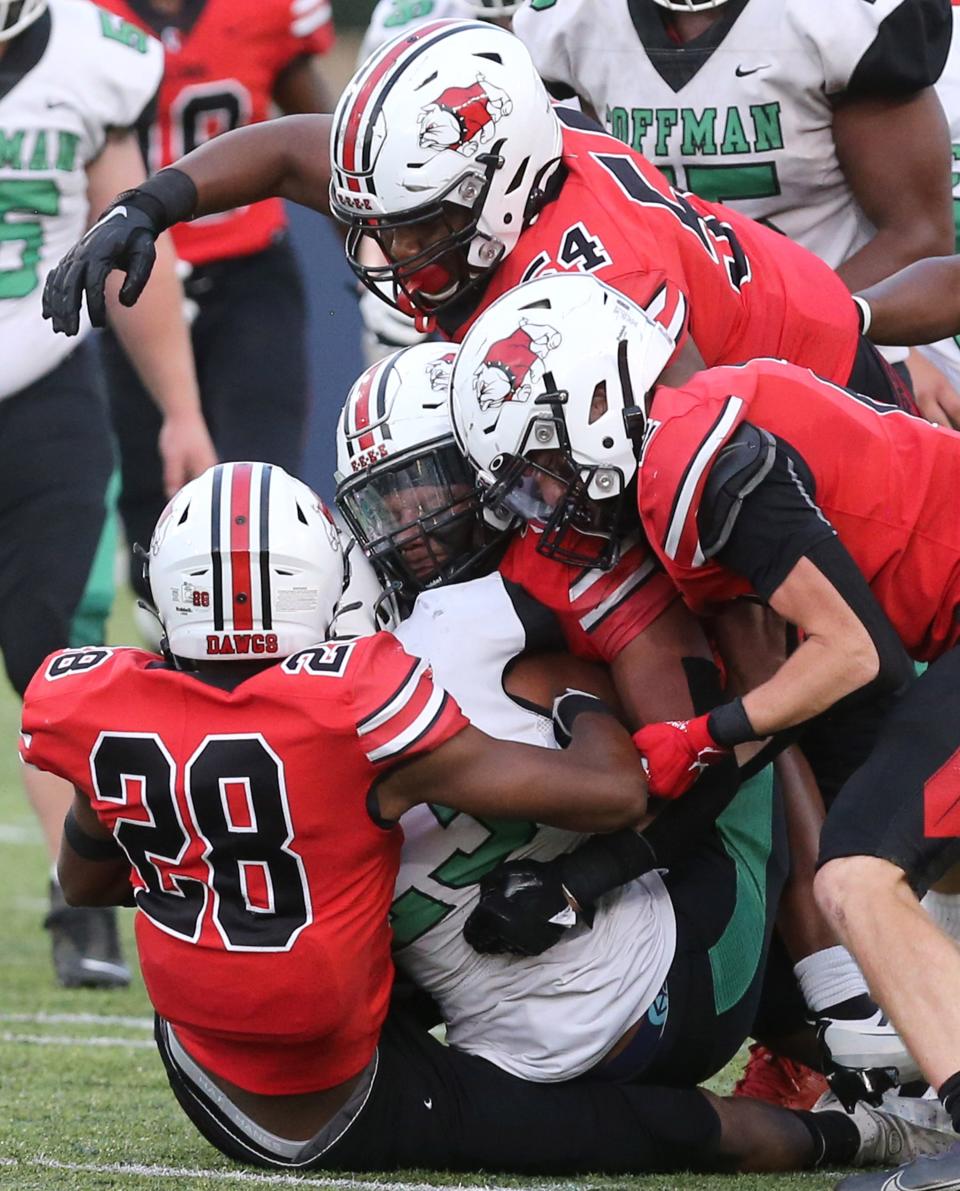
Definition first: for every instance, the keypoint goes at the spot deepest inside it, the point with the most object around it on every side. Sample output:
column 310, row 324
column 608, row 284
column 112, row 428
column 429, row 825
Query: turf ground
column 84, row 1103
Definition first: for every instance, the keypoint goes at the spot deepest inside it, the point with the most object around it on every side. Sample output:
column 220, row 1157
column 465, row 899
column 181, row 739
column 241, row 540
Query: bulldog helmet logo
column 512, row 367
column 463, row 118
column 438, row 372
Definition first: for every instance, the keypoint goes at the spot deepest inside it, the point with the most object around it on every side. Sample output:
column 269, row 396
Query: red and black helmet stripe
column 367, row 423
column 242, row 592
column 359, row 117
column 246, row 535
column 266, row 601
column 215, row 548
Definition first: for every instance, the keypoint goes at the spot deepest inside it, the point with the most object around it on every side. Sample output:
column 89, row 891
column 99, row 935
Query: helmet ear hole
column 598, row 403
column 518, row 176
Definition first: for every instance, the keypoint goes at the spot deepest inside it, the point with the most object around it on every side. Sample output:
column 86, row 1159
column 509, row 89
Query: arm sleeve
column 886, row 49
column 776, row 525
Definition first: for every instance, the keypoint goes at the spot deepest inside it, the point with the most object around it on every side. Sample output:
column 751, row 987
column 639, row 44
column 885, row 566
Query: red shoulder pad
column 686, row 430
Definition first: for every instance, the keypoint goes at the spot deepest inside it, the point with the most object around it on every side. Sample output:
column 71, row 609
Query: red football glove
column 675, row 753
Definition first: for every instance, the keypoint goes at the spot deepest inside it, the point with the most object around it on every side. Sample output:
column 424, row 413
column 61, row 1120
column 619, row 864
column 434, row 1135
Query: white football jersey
column 742, row 115
column 946, row 353
column 392, row 17
column 84, row 71
column 554, row 1016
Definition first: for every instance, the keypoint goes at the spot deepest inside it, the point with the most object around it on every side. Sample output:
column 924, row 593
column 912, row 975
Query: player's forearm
column 154, row 336
column 822, row 671
column 920, row 304
column 892, row 249
column 288, row 157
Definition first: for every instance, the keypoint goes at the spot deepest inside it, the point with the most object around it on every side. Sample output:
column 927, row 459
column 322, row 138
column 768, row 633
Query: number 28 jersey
column 261, row 880
column 221, row 69
column 69, row 78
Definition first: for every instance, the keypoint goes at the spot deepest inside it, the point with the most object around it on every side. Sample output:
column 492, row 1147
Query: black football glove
column 523, row 909
column 122, row 238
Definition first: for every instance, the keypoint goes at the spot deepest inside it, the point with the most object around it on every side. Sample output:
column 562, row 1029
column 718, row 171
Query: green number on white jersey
column 21, row 197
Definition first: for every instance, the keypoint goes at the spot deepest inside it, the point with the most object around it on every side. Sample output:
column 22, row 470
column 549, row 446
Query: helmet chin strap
column 635, row 424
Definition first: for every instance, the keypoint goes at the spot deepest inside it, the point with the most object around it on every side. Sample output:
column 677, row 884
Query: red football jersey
column 600, row 612
column 221, row 69
column 886, row 481
column 748, row 291
column 261, row 881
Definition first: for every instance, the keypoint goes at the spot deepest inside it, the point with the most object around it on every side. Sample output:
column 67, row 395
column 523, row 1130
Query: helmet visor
column 420, row 519
column 550, row 490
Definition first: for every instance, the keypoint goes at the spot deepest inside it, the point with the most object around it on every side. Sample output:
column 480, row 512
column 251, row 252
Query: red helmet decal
column 512, row 366
column 463, row 118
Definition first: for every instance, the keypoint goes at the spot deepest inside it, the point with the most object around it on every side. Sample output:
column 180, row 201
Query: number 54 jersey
column 69, row 78
column 262, row 882
column 740, row 289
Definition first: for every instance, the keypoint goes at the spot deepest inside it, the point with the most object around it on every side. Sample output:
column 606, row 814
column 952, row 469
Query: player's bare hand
column 936, row 398
column 122, row 238
column 186, row 450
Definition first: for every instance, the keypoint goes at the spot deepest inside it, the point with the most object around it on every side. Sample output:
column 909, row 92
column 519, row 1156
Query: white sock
column 828, row 977
column 944, row 909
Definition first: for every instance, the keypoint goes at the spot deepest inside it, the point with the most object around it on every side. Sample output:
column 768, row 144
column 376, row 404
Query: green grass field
column 83, row 1099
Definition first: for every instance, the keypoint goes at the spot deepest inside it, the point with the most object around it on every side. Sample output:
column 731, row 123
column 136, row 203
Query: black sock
column 836, row 1138
column 949, row 1093
column 851, row 1009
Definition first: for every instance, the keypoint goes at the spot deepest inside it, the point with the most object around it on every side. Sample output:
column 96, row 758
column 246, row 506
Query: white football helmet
column 16, row 15
column 245, row 565
column 547, row 402
column 450, row 116
column 366, row 606
column 403, row 487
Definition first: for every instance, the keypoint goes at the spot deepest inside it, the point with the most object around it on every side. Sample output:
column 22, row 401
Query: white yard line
column 66, row 1040
column 13, row 833
column 79, row 1019
column 269, row 1180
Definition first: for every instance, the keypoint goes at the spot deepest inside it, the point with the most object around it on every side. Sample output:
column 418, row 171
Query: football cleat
column 870, row 1042
column 900, row 1129
column 776, row 1080
column 86, row 948
column 931, row 1172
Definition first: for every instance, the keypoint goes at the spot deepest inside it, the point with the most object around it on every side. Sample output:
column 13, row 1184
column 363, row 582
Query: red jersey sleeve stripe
column 692, row 476
column 589, row 577
column 417, row 731
column 397, row 701
column 634, row 580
